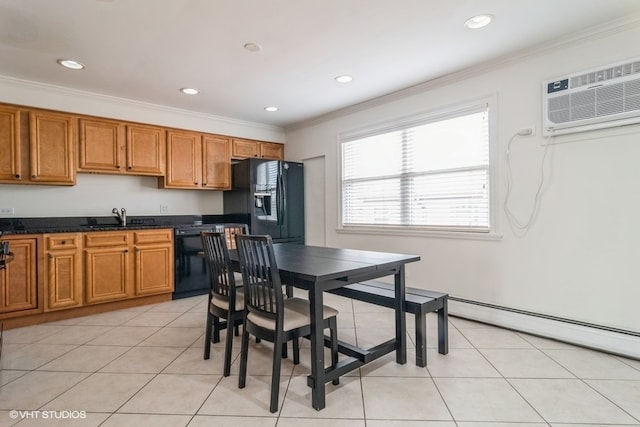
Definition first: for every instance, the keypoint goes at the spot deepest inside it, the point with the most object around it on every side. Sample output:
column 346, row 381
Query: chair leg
column 275, row 374
column 242, row 376
column 207, row 337
column 227, row 347
column 333, row 329
column 285, row 352
column 296, row 351
column 216, row 329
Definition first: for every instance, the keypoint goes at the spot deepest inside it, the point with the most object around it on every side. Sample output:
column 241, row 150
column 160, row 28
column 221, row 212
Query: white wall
column 580, row 258
column 96, row 195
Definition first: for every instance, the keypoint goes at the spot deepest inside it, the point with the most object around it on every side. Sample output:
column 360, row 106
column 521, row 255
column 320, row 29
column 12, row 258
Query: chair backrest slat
column 222, row 281
column 263, row 293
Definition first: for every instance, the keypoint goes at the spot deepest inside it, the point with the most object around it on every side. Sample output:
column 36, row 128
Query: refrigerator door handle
column 281, row 198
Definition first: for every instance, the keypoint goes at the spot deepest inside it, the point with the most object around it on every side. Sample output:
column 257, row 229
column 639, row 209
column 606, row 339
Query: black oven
column 191, row 276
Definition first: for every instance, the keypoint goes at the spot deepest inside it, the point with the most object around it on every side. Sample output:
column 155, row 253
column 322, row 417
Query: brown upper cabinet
column 52, row 153
column 216, row 161
column 108, row 146
column 36, row 147
column 246, row 148
column 196, row 160
column 47, row 147
column 10, row 145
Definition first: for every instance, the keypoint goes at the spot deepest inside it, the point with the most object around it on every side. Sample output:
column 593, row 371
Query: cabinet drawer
column 55, row 242
column 153, row 236
column 106, row 239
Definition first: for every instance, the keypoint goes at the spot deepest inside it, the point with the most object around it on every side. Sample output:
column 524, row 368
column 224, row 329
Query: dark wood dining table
column 320, row 269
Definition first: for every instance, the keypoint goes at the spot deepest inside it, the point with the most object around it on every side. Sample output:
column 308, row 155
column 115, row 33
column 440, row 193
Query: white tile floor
column 144, row 367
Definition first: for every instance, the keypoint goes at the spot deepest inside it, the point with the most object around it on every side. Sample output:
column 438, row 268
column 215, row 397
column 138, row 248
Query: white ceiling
column 145, row 50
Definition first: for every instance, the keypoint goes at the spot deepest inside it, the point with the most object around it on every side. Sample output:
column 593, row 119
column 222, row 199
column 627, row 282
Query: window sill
column 399, row 232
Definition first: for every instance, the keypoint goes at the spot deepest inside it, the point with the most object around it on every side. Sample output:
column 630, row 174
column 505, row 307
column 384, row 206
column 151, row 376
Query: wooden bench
column 419, row 302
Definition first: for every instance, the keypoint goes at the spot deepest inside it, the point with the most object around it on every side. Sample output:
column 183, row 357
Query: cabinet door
column 146, row 147
column 245, row 148
column 107, row 268
column 271, row 150
column 153, row 262
column 10, row 150
column 63, row 279
column 153, row 269
column 216, row 162
column 51, row 148
column 106, row 274
column 101, row 146
column 184, row 160
column 18, row 281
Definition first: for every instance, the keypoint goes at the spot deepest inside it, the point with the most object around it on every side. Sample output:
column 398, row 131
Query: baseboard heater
column 617, row 341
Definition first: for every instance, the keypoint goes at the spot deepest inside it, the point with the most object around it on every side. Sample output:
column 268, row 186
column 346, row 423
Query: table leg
column 401, row 326
column 317, row 349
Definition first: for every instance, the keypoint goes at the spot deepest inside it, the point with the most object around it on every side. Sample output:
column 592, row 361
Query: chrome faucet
column 122, row 216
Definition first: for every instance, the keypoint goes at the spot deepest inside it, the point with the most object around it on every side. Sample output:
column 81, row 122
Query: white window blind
column 429, row 175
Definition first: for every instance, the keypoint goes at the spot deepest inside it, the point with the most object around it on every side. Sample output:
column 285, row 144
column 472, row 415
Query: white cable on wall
column 518, row 226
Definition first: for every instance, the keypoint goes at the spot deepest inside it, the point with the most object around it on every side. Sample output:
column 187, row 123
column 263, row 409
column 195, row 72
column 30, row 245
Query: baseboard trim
column 612, row 340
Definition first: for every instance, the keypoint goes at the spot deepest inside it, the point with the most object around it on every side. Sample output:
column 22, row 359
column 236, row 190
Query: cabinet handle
column 34, row 176
column 195, row 183
column 126, row 251
column 18, row 176
column 50, row 256
column 129, row 167
column 117, row 166
column 64, row 242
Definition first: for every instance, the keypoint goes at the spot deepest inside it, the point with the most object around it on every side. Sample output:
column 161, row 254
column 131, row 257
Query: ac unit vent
column 605, row 97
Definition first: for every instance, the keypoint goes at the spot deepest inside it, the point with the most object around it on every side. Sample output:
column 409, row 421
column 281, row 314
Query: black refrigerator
column 271, row 193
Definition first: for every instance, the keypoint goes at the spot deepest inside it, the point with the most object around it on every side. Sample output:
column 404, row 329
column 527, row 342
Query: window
column 431, row 173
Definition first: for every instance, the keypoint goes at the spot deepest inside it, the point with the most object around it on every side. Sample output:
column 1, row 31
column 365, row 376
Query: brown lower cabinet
column 63, row 260
column 107, row 266
column 63, row 271
column 19, row 280
column 125, row 264
column 153, row 262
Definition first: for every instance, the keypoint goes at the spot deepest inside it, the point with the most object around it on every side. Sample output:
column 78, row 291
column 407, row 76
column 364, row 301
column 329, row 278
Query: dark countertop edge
column 45, row 225
column 81, row 229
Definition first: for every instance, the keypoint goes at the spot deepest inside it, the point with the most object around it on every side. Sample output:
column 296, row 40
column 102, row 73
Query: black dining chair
column 271, row 316
column 226, row 300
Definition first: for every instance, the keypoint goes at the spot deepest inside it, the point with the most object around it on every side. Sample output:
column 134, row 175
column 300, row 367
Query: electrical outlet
column 7, row 211
column 164, row 208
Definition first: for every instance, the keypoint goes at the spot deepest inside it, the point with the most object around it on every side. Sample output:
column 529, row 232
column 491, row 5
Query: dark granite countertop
column 35, row 225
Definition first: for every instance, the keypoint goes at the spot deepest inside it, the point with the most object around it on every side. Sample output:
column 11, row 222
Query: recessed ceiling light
column 252, row 47
column 344, row 79
column 71, row 64
column 189, row 91
column 271, row 109
column 478, row 21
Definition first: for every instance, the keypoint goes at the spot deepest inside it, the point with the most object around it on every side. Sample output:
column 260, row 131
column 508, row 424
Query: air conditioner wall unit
column 603, row 97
